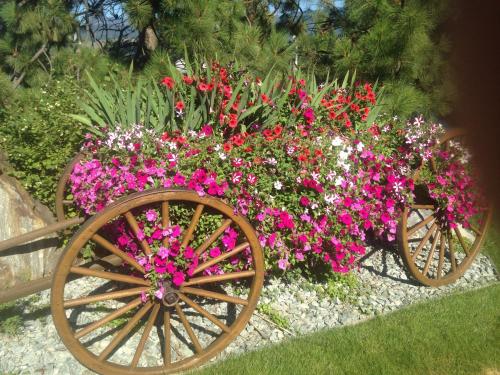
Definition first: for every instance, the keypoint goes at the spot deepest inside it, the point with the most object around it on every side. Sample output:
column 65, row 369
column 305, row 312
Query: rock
column 19, row 214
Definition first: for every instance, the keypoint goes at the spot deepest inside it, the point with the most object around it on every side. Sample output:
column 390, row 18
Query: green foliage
column 396, row 42
column 273, row 315
column 39, row 137
column 28, row 32
column 10, row 318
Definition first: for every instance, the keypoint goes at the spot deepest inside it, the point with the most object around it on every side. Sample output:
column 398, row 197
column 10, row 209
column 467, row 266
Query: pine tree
column 394, row 41
column 225, row 30
column 29, row 31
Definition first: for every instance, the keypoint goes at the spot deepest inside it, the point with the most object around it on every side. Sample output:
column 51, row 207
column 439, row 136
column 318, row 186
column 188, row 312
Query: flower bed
column 313, row 168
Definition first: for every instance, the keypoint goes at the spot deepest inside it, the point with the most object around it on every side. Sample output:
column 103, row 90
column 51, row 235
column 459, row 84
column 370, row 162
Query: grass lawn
column 491, row 246
column 457, row 334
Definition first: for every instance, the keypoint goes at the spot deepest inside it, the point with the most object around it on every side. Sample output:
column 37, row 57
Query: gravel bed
column 382, row 286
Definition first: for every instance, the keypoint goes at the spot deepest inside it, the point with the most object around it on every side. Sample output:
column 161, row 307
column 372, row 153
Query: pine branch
column 20, row 79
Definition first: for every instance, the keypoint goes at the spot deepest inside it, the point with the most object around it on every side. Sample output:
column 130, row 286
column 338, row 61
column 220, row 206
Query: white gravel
column 382, row 286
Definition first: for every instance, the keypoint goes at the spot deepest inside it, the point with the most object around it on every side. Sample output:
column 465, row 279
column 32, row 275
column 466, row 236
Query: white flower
column 222, row 155
column 343, row 155
column 339, row 180
column 271, row 161
column 298, row 179
column 172, row 145
column 331, row 175
column 315, row 176
column 192, row 134
column 314, row 205
column 329, row 198
column 337, row 141
column 278, row 185
column 217, row 147
column 397, row 187
column 360, row 146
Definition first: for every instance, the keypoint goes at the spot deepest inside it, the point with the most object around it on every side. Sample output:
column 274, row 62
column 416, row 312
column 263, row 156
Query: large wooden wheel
column 99, row 308
column 434, row 253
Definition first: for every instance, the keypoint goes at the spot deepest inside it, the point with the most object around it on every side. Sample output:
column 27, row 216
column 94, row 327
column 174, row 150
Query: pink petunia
column 178, row 278
column 151, row 215
column 215, row 252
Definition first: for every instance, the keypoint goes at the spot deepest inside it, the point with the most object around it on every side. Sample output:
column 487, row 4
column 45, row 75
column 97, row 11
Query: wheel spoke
column 167, row 355
column 204, row 312
column 429, row 219
column 453, row 260
column 104, row 297
column 135, row 228
column 422, row 206
column 216, row 278
column 189, row 330
column 424, row 241
column 433, row 166
column 109, row 276
column 113, row 249
column 116, row 314
column 431, row 253
column 145, row 335
column 221, row 257
column 461, row 240
column 111, row 259
column 124, row 331
column 441, row 254
column 213, row 237
column 192, row 225
column 214, row 295
column 165, row 219
column 477, row 231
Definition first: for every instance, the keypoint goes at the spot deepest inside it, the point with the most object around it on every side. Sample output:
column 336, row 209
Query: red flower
column 277, row 130
column 264, row 97
column 179, row 105
column 268, row 134
column 203, row 87
column 227, row 147
column 233, row 120
column 238, row 140
column 168, row 82
column 188, row 80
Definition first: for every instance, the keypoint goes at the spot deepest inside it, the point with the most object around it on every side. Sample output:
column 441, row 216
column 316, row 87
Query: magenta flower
column 151, row 215
column 215, row 252
column 282, row 263
column 178, row 278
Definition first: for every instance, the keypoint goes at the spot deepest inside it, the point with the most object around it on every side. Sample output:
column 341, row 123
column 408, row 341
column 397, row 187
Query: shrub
column 39, row 137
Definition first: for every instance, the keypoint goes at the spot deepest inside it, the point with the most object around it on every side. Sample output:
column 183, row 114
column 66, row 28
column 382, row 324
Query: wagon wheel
column 435, row 253
column 191, row 322
column 62, row 191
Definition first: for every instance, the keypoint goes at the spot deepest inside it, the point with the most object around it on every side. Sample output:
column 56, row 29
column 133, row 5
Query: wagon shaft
column 39, row 233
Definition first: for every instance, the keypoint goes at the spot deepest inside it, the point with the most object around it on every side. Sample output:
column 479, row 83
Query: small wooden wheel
column 435, row 253
column 102, row 307
column 62, row 203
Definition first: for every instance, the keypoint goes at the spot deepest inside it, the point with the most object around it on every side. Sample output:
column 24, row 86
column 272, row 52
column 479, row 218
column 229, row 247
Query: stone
column 19, row 214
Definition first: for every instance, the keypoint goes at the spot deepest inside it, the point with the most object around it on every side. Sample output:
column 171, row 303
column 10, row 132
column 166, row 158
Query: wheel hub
column 171, row 296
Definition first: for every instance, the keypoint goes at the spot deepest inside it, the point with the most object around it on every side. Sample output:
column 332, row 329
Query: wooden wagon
column 109, row 283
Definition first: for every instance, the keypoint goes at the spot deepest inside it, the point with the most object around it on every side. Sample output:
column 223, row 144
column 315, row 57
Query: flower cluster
column 455, row 188
column 305, row 165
